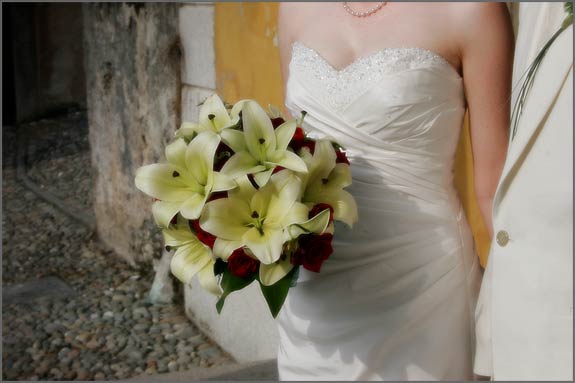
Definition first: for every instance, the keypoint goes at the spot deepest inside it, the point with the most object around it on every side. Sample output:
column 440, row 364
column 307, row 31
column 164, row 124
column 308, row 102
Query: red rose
column 310, row 144
column 242, row 265
column 277, row 121
column 297, row 139
column 313, row 250
column 341, row 157
column 319, row 208
column 204, row 237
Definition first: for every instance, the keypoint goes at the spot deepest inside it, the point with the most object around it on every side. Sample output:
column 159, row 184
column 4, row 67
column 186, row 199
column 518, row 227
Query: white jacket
column 524, row 313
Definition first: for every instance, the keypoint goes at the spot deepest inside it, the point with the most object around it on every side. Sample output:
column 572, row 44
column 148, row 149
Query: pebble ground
column 108, row 329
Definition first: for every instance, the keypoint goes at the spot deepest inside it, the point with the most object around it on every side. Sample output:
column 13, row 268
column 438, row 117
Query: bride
column 390, row 82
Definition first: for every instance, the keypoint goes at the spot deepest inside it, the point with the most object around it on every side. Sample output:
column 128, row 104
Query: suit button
column 502, row 238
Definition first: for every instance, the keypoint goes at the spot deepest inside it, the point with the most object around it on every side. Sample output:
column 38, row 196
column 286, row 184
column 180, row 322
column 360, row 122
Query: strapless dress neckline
column 384, row 51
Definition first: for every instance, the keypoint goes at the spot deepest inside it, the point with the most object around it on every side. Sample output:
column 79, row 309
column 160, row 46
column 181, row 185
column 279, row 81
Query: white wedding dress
column 395, row 301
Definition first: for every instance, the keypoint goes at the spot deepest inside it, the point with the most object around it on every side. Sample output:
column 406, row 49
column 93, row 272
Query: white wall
column 245, row 327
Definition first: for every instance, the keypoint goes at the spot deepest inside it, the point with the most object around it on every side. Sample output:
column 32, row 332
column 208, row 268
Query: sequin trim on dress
column 344, row 85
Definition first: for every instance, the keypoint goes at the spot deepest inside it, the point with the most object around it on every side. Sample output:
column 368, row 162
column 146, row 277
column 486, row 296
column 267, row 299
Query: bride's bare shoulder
column 297, row 12
column 293, row 16
column 481, row 22
column 476, row 16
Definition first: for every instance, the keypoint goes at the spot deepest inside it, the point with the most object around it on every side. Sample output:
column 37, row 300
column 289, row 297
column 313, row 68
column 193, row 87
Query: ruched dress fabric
column 395, row 301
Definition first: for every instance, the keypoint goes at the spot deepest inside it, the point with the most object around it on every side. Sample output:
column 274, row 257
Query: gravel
column 108, row 329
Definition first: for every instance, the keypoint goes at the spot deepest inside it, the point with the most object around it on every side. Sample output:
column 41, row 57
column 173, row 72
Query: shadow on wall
column 43, row 60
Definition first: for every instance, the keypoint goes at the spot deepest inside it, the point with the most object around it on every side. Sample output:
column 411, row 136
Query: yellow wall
column 247, row 66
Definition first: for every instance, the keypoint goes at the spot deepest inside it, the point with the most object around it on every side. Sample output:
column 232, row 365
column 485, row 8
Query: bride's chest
column 387, row 78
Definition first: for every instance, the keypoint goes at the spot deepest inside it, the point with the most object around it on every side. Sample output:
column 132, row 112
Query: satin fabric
column 395, row 301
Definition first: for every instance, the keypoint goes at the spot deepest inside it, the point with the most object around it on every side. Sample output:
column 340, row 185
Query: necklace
column 363, row 14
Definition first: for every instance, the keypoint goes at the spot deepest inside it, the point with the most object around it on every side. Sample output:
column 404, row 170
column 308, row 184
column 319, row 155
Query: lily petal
column 213, row 106
column 281, row 203
column 192, row 207
column 223, row 182
column 200, row 155
column 288, row 160
column 240, row 164
column 258, row 130
column 340, row 176
column 188, row 130
column 245, row 190
column 270, row 274
column 158, row 181
column 344, row 206
column 237, row 108
column 178, row 237
column 262, row 178
column 234, row 139
column 324, row 158
column 176, row 153
column 224, row 248
column 284, row 134
column 226, row 218
column 266, row 246
column 189, row 259
column 317, row 225
column 164, row 211
column 208, row 280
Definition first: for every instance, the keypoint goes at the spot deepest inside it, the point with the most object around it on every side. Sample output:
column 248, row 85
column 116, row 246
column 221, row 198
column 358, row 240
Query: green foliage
column 532, row 70
column 276, row 294
column 231, row 283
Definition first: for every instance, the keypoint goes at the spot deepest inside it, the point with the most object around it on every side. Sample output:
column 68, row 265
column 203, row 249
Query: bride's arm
column 486, row 49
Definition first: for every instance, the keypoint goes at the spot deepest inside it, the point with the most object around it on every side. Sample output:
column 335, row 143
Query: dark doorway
column 8, row 90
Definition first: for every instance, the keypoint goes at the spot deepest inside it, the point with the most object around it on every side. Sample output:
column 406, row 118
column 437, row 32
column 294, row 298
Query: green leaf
column 276, row 294
column 220, row 267
column 231, row 283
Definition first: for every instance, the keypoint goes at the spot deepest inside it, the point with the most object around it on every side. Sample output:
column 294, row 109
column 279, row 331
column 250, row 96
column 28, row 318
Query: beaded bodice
column 397, row 111
column 342, row 85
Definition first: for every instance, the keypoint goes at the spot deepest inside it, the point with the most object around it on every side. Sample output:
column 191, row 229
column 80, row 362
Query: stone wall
column 133, row 73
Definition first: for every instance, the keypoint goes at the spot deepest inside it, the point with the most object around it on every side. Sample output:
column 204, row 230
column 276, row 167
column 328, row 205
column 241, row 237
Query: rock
column 184, row 360
column 141, row 327
column 56, row 373
column 186, row 333
column 99, row 376
column 93, row 344
column 173, row 366
column 73, row 354
column 43, row 368
column 63, row 352
column 53, row 327
column 83, row 374
column 82, row 337
column 135, row 355
column 196, row 340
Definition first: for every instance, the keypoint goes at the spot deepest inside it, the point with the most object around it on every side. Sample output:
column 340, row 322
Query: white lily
column 214, row 117
column 265, row 148
column 254, row 218
column 325, row 181
column 186, row 181
column 191, row 257
column 262, row 220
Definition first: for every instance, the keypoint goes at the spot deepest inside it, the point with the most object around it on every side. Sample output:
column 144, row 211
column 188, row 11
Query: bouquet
column 246, row 196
